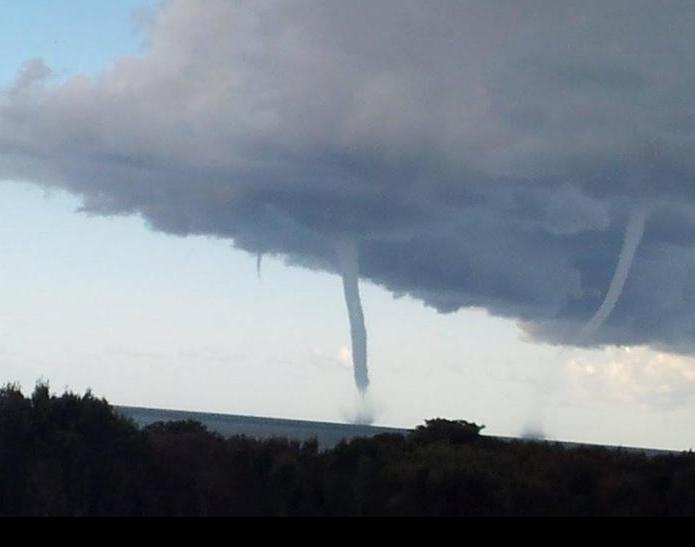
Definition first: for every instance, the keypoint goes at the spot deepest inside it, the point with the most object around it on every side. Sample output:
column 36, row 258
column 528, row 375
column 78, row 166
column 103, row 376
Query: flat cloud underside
column 480, row 154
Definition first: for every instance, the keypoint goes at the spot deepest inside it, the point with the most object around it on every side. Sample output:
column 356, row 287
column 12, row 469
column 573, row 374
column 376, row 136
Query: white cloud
column 344, row 357
column 635, row 375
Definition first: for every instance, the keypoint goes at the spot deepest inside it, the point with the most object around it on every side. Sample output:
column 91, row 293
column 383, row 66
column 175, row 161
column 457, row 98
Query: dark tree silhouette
column 75, row 456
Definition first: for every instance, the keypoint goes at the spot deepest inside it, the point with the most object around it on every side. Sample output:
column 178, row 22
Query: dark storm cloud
column 479, row 153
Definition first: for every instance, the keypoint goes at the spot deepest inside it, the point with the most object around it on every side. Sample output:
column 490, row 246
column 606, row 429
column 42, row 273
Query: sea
column 328, row 434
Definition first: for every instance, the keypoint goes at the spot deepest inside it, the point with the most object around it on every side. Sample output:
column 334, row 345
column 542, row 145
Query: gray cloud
column 480, row 153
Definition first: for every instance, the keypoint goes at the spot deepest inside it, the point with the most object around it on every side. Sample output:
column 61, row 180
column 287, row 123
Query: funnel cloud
column 633, row 236
column 349, row 268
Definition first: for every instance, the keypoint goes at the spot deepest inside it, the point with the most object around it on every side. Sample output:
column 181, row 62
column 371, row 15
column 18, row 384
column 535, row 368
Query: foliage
column 75, row 456
column 449, row 431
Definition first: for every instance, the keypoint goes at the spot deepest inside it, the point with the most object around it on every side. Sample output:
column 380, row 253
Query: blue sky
column 151, row 319
column 72, row 37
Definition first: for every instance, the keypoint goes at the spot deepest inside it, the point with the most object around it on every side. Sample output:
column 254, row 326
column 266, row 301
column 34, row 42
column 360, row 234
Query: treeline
column 73, row 455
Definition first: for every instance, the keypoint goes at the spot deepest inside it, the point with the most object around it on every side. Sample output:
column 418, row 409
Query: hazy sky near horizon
column 147, row 318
